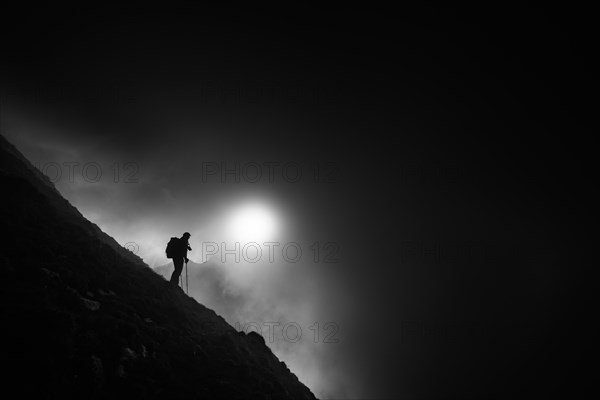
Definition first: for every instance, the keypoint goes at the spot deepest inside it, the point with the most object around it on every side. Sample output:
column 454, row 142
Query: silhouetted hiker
column 177, row 250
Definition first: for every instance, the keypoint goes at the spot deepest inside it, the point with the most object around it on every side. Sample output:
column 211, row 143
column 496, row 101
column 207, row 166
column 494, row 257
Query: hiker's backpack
column 172, row 247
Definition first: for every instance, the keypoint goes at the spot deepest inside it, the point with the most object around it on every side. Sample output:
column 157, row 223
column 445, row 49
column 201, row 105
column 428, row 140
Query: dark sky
column 450, row 143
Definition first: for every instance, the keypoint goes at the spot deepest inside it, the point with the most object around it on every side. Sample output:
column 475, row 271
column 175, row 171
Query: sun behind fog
column 253, row 222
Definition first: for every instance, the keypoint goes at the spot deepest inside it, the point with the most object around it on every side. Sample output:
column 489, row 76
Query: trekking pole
column 186, row 280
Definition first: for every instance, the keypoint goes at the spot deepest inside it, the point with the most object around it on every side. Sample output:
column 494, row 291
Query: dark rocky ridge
column 83, row 317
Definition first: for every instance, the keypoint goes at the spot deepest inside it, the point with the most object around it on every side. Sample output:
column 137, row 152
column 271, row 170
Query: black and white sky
column 416, row 148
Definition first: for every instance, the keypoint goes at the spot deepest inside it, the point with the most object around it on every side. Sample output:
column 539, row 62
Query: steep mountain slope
column 83, row 317
column 207, row 283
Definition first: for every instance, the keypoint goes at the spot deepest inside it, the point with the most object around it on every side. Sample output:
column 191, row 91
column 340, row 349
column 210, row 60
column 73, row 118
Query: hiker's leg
column 174, row 277
column 178, row 263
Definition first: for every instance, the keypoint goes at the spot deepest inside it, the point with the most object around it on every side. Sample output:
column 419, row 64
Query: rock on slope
column 83, row 317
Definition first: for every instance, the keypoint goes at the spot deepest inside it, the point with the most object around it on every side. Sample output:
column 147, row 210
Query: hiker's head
column 186, row 235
